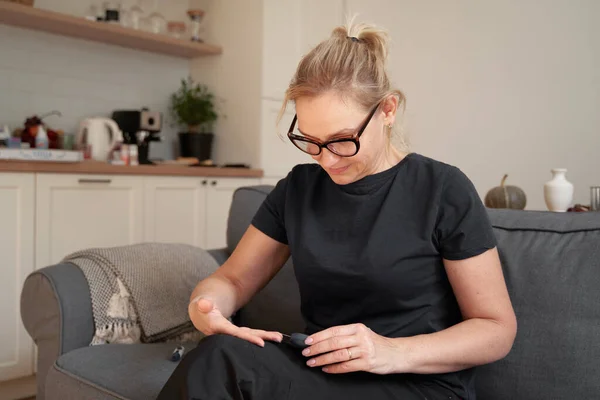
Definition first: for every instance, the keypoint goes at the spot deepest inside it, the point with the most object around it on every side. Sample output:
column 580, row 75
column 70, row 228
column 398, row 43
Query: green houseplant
column 193, row 106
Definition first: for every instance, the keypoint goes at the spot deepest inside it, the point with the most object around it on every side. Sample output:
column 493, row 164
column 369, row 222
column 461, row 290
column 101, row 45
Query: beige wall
column 497, row 87
column 493, row 87
column 234, row 76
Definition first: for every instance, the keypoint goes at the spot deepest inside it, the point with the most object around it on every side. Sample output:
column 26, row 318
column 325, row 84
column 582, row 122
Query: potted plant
column 193, row 107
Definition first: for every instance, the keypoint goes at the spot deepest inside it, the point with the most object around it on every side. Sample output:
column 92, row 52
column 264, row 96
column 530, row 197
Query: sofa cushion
column 277, row 306
column 112, row 371
column 551, row 263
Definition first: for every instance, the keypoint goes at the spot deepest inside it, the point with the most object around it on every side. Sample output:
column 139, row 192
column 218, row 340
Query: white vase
column 558, row 192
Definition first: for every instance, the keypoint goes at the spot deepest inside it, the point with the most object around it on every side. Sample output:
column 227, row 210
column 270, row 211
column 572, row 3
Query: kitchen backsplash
column 41, row 72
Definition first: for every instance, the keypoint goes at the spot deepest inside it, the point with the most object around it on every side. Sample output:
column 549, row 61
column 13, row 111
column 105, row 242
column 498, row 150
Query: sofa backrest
column 245, row 203
column 277, row 306
column 551, row 263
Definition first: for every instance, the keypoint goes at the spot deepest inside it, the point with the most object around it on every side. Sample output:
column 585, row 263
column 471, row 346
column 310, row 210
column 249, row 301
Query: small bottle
column 133, row 154
column 41, row 139
column 125, row 154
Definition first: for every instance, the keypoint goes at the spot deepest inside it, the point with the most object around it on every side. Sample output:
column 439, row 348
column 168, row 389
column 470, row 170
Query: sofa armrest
column 56, row 310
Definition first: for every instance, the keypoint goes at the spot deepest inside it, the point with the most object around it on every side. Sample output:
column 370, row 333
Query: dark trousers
column 224, row 367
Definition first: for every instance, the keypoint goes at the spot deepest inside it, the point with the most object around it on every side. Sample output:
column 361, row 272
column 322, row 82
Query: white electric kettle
column 102, row 134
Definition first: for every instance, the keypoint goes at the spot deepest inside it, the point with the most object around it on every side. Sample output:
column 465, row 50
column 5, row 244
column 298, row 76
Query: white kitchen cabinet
column 278, row 154
column 219, row 194
column 47, row 216
column 286, row 40
column 75, row 212
column 17, row 203
column 175, row 209
column 280, row 45
column 189, row 209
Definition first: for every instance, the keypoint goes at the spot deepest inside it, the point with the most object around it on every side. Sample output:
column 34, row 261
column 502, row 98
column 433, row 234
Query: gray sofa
column 552, row 267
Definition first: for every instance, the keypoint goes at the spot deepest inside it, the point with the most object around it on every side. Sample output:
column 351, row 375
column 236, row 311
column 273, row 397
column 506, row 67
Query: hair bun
column 375, row 38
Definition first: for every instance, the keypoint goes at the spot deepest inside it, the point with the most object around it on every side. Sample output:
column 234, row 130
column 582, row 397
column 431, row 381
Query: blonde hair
column 351, row 62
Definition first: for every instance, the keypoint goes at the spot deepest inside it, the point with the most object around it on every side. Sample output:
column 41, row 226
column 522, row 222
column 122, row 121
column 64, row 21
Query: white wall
column 234, row 76
column 496, row 87
column 40, row 72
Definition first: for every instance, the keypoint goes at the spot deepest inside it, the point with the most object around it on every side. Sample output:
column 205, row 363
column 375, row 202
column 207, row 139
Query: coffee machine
column 139, row 127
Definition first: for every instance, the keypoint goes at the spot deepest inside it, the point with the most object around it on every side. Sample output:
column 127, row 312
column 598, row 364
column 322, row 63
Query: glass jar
column 158, row 23
column 176, row 29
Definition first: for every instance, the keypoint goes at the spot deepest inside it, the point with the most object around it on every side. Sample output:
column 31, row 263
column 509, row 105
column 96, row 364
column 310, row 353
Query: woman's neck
column 391, row 157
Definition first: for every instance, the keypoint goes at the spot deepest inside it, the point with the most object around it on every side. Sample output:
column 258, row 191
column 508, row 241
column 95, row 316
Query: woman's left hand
column 350, row 348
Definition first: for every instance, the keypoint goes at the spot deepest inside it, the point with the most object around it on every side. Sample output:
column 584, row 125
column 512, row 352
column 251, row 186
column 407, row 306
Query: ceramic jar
column 558, row 192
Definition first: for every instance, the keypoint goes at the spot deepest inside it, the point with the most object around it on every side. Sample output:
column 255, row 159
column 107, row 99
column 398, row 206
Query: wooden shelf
column 66, row 25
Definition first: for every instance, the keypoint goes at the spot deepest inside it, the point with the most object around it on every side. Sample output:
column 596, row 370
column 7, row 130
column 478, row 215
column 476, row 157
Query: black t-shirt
column 371, row 251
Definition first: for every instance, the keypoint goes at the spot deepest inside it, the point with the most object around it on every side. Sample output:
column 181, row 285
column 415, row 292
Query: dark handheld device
column 295, row 340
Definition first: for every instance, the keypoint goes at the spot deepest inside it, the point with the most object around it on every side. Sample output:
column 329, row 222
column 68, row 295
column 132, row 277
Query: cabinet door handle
column 214, row 183
column 204, row 182
column 106, row 181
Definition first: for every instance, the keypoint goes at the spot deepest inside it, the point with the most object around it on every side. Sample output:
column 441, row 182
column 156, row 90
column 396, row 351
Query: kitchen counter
column 100, row 168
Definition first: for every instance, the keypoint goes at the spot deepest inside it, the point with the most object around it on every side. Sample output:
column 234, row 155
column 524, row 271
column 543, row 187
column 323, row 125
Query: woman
column 400, row 281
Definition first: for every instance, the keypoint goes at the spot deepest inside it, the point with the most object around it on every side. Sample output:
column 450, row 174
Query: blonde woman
column 400, row 281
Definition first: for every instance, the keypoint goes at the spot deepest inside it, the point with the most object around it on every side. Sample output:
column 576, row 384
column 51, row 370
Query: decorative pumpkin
column 504, row 196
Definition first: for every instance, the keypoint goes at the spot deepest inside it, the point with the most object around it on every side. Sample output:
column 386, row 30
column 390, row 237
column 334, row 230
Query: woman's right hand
column 207, row 318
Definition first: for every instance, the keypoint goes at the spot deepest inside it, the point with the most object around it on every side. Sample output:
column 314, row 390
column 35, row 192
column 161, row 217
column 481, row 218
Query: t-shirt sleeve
column 270, row 217
column 463, row 228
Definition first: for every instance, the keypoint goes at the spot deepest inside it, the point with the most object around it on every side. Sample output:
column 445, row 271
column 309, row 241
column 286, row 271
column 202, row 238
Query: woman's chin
column 341, row 179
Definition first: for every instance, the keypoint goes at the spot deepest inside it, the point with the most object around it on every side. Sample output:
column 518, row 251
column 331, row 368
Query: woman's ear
column 389, row 106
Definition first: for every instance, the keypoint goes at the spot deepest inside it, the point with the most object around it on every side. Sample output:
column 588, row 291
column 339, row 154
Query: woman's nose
column 327, row 159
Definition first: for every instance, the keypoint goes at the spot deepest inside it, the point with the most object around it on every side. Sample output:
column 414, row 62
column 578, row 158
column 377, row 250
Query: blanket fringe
column 120, row 305
column 117, row 332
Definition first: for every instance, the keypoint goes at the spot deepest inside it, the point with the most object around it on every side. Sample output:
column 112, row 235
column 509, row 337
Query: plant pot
column 197, row 145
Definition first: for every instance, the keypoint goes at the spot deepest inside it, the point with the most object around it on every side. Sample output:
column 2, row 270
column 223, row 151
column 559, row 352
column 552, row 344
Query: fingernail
column 325, row 369
column 306, row 352
column 309, row 340
column 311, row 362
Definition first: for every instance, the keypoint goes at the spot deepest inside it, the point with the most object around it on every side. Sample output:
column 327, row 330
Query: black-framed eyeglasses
column 343, row 147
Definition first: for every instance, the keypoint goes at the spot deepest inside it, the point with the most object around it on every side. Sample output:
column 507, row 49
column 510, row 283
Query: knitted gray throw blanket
column 140, row 293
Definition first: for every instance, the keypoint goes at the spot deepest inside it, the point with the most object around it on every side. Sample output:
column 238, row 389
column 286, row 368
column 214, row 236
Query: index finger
column 236, row 331
column 342, row 330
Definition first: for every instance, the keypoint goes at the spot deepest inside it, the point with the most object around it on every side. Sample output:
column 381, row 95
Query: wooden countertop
column 100, row 168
